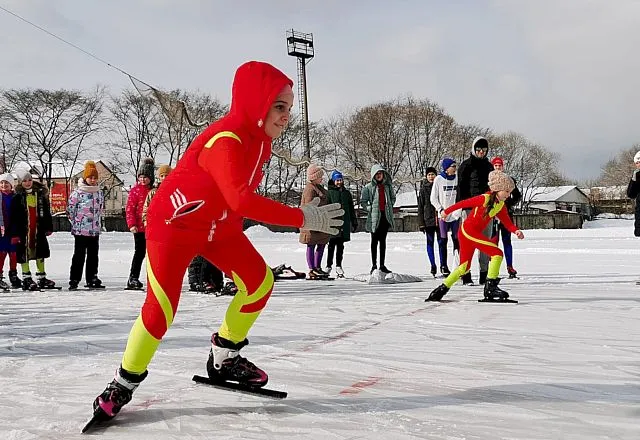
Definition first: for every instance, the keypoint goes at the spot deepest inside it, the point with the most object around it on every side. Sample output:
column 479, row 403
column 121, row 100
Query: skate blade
column 240, row 388
column 99, row 417
column 510, row 301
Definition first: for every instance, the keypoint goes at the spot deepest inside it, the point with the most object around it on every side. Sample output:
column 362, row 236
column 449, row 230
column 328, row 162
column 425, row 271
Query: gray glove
column 325, row 218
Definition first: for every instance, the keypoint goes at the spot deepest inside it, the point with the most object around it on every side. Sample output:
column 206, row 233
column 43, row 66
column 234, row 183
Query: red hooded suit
column 199, row 208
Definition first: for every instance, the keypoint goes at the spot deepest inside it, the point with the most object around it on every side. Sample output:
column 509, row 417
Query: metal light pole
column 300, row 45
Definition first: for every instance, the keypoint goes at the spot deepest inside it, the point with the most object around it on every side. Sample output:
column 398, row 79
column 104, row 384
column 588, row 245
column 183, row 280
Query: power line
column 67, row 42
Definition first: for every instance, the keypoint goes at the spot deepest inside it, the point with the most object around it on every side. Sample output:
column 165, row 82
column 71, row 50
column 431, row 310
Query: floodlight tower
column 300, row 45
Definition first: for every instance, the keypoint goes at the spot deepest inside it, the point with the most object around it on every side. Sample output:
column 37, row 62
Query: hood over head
column 255, row 86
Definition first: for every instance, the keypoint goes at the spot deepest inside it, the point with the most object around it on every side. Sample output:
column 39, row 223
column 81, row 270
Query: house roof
column 548, row 193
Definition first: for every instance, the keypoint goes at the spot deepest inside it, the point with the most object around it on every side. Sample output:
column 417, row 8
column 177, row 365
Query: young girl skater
column 199, row 210
column 84, row 209
column 484, row 208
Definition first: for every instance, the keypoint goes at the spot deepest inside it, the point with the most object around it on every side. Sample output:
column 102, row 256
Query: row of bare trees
column 406, row 135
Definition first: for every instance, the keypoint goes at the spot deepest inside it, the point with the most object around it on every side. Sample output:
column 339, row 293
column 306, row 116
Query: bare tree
column 617, row 171
column 181, row 110
column 136, row 131
column 50, row 126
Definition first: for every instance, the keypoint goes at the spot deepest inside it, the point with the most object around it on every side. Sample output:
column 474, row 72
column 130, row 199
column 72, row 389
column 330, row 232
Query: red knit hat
column 497, row 161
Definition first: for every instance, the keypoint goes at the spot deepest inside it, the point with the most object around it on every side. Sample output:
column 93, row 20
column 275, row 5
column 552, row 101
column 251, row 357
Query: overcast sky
column 565, row 73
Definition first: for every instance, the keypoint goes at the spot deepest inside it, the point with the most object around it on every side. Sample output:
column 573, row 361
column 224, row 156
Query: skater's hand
column 15, row 240
column 133, row 230
column 519, row 234
column 422, row 228
column 443, row 216
column 325, row 218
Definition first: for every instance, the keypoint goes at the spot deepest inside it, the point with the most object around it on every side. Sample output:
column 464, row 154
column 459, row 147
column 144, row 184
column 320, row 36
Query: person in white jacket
column 443, row 195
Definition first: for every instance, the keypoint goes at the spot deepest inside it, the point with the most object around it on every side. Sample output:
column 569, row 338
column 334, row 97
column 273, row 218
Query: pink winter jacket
column 135, row 206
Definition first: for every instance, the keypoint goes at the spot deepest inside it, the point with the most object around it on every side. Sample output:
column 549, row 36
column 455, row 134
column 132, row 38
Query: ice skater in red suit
column 484, row 208
column 198, row 210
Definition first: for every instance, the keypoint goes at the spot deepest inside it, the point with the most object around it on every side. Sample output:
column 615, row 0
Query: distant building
column 64, row 179
column 567, row 198
column 610, row 199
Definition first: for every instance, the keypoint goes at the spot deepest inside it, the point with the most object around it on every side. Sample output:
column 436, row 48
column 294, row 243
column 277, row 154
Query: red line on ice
column 359, row 386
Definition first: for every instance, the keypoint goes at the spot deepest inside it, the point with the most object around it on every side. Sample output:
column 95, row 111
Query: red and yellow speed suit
column 472, row 238
column 198, row 210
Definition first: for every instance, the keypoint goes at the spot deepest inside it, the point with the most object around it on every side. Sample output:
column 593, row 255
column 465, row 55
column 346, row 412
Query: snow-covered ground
column 359, row 361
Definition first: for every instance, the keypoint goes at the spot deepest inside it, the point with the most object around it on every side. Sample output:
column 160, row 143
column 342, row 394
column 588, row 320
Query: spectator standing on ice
column 378, row 198
column 445, row 191
column 428, row 216
column 315, row 240
column 337, row 193
column 473, row 180
column 134, row 210
column 7, row 182
column 84, row 209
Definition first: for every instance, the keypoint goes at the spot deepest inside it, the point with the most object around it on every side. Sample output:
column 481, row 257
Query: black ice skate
column 29, row 284
column 16, row 282
column 339, row 272
column 73, row 285
column 4, row 286
column 229, row 288
column 117, row 394
column 434, row 270
column 492, row 293
column 95, row 283
column 384, row 269
column 438, row 293
column 512, row 272
column 373, row 268
column 46, row 283
column 226, row 364
column 444, row 270
column 134, row 284
column 467, row 280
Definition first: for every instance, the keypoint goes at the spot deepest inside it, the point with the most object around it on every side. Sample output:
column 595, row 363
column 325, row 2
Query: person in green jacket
column 339, row 194
column 377, row 199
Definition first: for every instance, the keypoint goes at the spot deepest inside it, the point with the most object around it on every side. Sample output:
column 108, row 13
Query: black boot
column 44, row 282
column 384, row 269
column 438, row 293
column 373, row 268
column 434, row 270
column 444, row 270
column 483, row 278
column 13, row 278
column 225, row 363
column 118, row 393
column 492, row 292
column 29, row 284
column 467, row 280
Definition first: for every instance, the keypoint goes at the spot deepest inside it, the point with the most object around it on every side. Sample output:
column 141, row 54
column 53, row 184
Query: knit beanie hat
column 314, row 172
column 23, row 175
column 336, row 175
column 499, row 181
column 90, row 170
column 147, row 168
column 164, row 170
column 430, row 170
column 636, row 158
column 447, row 162
column 6, row 177
column 497, row 161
